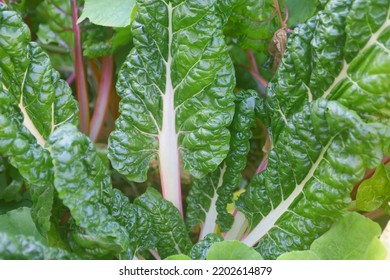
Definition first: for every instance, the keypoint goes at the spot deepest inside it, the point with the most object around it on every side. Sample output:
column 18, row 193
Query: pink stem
column 71, row 79
column 81, row 81
column 263, row 164
column 103, row 98
column 2, row 1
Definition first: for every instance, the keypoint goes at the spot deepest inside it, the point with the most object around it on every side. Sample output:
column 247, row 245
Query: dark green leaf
column 320, row 154
column 21, row 247
column 166, row 223
column 200, row 250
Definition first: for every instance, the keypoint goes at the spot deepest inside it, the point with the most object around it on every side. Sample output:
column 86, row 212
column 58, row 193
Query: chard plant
column 244, row 129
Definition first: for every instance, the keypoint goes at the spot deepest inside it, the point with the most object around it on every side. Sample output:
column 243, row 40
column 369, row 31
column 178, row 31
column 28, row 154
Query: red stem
column 81, row 81
column 254, row 69
column 71, row 79
column 277, row 7
column 103, row 98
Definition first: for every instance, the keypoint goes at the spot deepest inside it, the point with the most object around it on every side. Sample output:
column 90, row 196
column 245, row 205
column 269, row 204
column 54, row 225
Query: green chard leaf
column 176, row 94
column 210, row 195
column 322, row 151
column 200, row 250
column 34, row 101
column 252, row 24
column 339, row 54
column 375, row 191
column 353, row 237
column 166, row 223
column 104, row 216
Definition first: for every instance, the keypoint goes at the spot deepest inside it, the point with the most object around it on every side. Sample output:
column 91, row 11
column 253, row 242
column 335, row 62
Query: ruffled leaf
column 320, row 154
column 166, row 223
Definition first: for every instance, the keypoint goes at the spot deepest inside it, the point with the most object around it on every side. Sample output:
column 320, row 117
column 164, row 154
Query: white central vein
column 27, row 122
column 372, row 41
column 168, row 149
column 211, row 215
column 270, row 220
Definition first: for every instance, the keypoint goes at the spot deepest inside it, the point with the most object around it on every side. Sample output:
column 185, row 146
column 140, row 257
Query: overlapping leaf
column 339, row 54
column 211, row 194
column 34, row 101
column 105, row 218
column 320, row 154
column 167, row 224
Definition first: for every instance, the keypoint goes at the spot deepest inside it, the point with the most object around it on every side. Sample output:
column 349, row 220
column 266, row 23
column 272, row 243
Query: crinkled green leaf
column 235, row 162
column 200, row 250
column 34, row 101
column 21, row 247
column 176, row 91
column 211, row 194
column 200, row 199
column 375, row 191
column 19, row 222
column 354, row 237
column 108, row 13
column 311, row 169
column 232, row 250
column 166, row 223
column 84, row 186
column 340, row 54
column 136, row 220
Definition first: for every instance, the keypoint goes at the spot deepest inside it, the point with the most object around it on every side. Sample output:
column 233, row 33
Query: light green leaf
column 375, row 191
column 19, row 222
column 108, row 13
column 178, row 258
column 232, row 250
column 353, row 237
column 301, row 10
